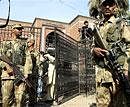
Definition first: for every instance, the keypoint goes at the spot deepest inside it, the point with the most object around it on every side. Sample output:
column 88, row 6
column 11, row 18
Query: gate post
column 43, row 40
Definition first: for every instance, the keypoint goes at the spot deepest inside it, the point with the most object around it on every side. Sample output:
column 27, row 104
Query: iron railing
column 75, row 72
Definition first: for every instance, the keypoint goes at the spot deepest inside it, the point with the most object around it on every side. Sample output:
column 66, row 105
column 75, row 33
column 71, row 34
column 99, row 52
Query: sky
column 58, row 10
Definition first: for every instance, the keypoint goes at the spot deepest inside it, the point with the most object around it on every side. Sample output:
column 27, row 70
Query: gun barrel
column 99, row 38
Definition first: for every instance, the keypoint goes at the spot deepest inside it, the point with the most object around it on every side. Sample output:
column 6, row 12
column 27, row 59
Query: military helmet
column 94, row 7
column 107, row 1
column 17, row 26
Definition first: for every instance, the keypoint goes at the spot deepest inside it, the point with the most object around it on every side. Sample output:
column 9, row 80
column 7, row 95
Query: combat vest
column 15, row 50
column 111, row 32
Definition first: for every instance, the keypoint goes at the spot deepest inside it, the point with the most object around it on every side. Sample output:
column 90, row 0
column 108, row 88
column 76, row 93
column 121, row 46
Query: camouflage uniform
column 109, row 94
column 34, row 58
column 15, row 51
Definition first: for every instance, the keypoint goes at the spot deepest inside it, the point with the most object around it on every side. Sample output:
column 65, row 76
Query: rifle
column 116, row 68
column 18, row 74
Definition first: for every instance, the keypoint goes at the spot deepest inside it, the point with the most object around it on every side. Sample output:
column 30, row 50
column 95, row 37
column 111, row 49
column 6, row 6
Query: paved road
column 78, row 101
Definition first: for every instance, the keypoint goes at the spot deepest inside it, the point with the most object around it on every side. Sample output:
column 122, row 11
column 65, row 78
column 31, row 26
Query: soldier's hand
column 26, row 77
column 99, row 52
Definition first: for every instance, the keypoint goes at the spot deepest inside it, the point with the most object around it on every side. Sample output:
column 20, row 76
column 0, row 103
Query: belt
column 105, row 84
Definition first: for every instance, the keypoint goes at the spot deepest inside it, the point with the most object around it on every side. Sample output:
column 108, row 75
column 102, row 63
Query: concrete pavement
column 79, row 101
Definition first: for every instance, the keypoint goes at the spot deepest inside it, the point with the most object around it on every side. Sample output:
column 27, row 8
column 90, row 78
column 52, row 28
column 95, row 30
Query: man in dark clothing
column 86, row 31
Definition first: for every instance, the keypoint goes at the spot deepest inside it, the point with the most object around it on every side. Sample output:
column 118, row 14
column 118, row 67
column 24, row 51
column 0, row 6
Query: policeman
column 108, row 91
column 15, row 50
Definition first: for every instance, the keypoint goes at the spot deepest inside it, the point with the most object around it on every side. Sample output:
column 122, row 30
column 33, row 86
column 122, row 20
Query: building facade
column 71, row 28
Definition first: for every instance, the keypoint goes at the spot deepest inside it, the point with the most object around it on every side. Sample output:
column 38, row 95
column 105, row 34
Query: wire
column 70, row 6
column 7, row 21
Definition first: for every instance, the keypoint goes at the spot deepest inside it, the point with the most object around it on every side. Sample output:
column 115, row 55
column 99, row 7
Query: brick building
column 70, row 28
column 45, row 26
column 40, row 28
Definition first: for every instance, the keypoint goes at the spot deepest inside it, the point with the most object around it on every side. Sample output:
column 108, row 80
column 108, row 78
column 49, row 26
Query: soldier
column 108, row 91
column 34, row 54
column 32, row 64
column 14, row 50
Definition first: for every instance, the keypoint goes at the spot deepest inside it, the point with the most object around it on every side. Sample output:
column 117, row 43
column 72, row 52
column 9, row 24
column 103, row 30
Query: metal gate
column 75, row 72
column 86, row 68
column 67, row 73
